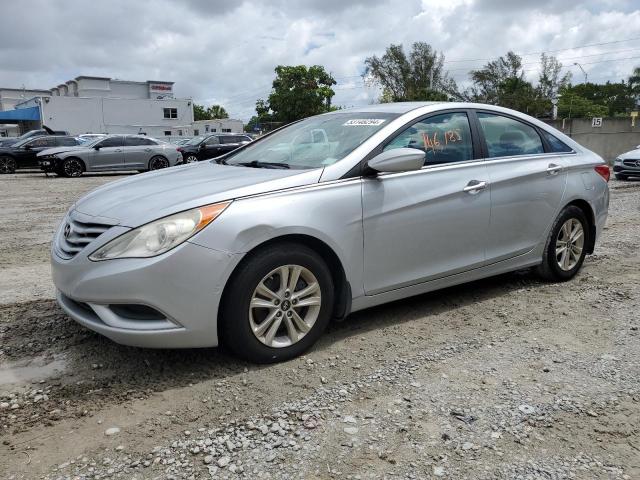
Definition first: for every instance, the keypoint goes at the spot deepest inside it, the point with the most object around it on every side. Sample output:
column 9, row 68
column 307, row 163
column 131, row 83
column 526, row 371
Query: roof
column 398, row 107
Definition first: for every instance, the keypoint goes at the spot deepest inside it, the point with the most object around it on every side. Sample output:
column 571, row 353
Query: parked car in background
column 627, row 165
column 7, row 142
column 90, row 137
column 326, row 216
column 23, row 154
column 204, row 147
column 113, row 152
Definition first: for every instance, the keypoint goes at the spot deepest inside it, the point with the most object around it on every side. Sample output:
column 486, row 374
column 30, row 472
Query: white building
column 9, row 98
column 219, row 125
column 102, row 105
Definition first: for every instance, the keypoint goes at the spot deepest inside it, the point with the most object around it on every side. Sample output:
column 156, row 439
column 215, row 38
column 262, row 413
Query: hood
column 632, row 155
column 56, row 150
column 143, row 198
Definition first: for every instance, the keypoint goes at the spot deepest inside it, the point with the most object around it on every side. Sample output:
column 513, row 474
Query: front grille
column 631, row 163
column 76, row 235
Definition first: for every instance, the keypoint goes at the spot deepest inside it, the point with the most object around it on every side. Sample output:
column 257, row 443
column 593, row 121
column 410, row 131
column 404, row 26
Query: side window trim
column 485, row 149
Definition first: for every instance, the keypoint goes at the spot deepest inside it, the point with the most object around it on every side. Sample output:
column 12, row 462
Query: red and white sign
column 158, row 87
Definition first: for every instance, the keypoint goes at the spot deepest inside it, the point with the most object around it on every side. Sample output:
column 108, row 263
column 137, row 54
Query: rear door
column 107, row 154
column 527, row 184
column 229, row 143
column 137, row 152
column 430, row 223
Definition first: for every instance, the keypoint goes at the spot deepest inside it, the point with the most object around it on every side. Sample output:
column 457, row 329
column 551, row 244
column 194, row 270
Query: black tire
column 190, row 158
column 235, row 329
column 71, row 167
column 7, row 164
column 550, row 269
column 619, row 176
column 158, row 162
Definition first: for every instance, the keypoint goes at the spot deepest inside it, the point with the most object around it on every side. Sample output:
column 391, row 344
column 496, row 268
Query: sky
column 225, row 52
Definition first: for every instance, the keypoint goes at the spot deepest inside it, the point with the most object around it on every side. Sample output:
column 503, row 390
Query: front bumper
column 48, row 164
column 627, row 167
column 168, row 301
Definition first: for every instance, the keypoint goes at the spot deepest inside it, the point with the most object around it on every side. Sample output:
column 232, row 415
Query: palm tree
column 217, row 111
column 634, row 80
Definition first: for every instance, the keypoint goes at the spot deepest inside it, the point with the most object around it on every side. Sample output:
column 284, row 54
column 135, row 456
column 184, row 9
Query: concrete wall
column 615, row 136
column 217, row 126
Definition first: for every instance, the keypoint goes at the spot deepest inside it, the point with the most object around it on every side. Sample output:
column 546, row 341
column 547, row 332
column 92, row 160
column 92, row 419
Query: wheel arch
column 74, row 157
column 342, row 287
column 590, row 214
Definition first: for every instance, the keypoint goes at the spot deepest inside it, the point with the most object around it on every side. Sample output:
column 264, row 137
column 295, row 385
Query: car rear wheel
column 619, row 176
column 277, row 304
column 158, row 162
column 191, row 159
column 566, row 246
column 7, row 164
column 71, row 167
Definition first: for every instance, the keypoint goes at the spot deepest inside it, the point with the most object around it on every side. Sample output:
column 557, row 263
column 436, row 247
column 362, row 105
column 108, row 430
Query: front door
column 27, row 156
column 108, row 154
column 210, row 148
column 527, row 185
column 429, row 223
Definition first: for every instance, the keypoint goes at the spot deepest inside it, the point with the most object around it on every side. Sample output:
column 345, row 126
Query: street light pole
column 585, row 73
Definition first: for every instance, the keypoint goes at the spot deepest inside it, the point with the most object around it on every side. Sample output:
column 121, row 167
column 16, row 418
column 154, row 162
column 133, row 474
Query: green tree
column 213, row 112
column 199, row 112
column 634, row 81
column 418, row 76
column 572, row 105
column 617, row 98
column 499, row 81
column 297, row 92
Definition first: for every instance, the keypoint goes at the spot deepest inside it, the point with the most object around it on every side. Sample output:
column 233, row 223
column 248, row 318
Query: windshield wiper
column 258, row 164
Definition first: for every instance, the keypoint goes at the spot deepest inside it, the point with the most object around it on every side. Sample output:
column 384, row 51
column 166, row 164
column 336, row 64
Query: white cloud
column 225, row 52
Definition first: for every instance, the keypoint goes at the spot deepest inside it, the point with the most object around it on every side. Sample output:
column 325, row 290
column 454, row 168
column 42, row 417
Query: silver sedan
column 333, row 214
column 110, row 153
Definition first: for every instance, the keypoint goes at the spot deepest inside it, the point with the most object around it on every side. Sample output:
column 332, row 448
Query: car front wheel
column 619, row 176
column 277, row 304
column 566, row 246
column 71, row 167
column 7, row 165
column 191, row 159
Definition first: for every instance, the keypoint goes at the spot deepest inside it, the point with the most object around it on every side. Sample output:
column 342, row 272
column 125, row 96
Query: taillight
column 179, row 149
column 603, row 171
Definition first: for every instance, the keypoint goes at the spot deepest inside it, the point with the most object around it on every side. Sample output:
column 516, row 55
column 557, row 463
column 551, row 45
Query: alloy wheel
column 7, row 165
column 72, row 168
column 157, row 163
column 569, row 244
column 285, row 306
column 191, row 159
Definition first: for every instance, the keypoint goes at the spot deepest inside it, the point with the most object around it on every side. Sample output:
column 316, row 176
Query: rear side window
column 111, row 142
column 557, row 146
column 506, row 137
column 67, row 142
column 43, row 142
column 444, row 138
column 137, row 141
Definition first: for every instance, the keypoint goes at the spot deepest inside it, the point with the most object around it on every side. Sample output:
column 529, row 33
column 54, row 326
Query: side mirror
column 96, row 147
column 28, row 147
column 398, row 160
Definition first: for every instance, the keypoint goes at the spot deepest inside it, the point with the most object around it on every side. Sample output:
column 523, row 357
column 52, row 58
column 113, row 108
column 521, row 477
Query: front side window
column 170, row 112
column 212, row 141
column 444, row 138
column 43, row 142
column 506, row 137
column 312, row 143
column 111, row 142
column 133, row 142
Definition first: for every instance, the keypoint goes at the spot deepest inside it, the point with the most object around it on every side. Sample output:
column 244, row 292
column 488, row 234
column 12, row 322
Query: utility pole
column 585, row 73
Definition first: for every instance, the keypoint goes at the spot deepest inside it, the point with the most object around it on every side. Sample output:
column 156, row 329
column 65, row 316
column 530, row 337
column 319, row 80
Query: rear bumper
column 169, row 301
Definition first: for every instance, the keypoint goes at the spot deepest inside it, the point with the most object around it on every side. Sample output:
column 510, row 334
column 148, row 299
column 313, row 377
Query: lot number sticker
column 364, row 122
column 596, row 122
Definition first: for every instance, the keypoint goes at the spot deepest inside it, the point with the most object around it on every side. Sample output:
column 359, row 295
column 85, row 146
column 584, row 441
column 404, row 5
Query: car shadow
column 94, row 362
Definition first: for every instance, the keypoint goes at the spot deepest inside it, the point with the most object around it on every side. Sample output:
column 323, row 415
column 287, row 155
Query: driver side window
column 111, row 142
column 444, row 138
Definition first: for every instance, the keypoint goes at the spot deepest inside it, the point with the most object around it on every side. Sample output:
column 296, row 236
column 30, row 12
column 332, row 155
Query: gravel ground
column 506, row 378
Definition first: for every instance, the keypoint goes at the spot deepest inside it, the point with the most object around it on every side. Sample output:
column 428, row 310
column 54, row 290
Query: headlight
column 161, row 235
column 617, row 161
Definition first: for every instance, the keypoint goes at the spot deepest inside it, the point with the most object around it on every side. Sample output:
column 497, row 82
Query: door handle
column 553, row 169
column 147, row 149
column 118, row 151
column 475, row 186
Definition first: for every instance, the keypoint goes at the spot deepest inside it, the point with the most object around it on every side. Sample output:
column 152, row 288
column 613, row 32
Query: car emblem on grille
column 67, row 230
column 637, row 163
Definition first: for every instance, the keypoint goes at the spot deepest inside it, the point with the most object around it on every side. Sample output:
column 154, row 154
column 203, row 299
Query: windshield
column 312, row 143
column 196, row 140
column 23, row 142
